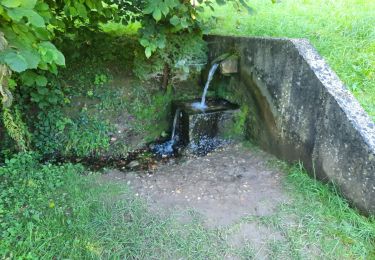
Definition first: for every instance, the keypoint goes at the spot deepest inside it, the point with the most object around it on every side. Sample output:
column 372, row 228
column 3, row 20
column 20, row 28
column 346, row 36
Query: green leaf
column 32, row 58
column 11, row 3
column 29, row 4
column 42, row 91
column 41, row 81
column 148, row 52
column 12, row 84
column 184, row 23
column 164, row 8
column 144, row 42
column 51, row 54
column 174, row 20
column 81, row 10
column 149, row 8
column 28, row 78
column 42, row 33
column 172, row 3
column 33, row 17
column 15, row 62
column 60, row 59
column 157, row 14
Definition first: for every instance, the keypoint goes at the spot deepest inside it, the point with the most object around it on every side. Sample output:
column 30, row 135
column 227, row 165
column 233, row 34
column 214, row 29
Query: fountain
column 200, row 125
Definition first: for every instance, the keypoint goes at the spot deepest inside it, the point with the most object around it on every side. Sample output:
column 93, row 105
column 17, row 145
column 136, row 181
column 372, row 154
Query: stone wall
column 301, row 111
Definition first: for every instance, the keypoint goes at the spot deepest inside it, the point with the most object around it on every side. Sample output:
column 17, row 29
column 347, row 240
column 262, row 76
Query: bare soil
column 222, row 188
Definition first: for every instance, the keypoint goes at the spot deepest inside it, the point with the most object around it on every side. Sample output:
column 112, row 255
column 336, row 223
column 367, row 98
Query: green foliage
column 172, row 32
column 185, row 54
column 16, row 128
column 29, row 27
column 151, row 113
column 58, row 134
column 240, row 119
column 28, row 195
column 100, row 79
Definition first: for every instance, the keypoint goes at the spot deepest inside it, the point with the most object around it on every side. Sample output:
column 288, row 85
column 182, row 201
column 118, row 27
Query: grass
column 63, row 211
column 317, row 223
column 342, row 31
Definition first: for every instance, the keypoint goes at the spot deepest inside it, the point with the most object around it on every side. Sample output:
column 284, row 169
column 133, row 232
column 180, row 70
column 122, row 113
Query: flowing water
column 202, row 105
column 175, row 123
column 167, row 147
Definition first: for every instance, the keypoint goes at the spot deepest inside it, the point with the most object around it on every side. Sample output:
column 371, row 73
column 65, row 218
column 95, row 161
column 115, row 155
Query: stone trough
column 214, row 122
column 301, row 111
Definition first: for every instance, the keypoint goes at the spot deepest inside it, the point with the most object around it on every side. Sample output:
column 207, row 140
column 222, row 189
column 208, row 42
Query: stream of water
column 167, row 147
column 202, row 105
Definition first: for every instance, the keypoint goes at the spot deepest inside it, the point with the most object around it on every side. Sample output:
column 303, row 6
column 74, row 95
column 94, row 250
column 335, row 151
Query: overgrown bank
column 342, row 31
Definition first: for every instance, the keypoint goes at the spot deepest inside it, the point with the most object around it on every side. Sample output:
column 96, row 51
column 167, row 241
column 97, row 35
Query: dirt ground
column 223, row 188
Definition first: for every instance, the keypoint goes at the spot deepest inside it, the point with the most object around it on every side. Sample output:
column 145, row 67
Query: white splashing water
column 176, row 115
column 167, row 147
column 202, row 105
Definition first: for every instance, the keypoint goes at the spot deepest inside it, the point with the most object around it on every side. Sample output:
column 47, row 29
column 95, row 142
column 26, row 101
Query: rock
column 133, row 164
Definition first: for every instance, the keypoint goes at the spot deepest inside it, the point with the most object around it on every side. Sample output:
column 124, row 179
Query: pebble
column 133, row 164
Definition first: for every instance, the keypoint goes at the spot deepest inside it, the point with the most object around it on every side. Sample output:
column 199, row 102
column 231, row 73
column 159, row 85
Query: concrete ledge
column 301, row 111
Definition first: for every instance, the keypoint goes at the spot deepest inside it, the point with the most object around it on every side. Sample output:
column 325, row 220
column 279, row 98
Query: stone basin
column 214, row 122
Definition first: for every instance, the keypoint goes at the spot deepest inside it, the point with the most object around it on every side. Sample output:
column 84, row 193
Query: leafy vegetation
column 57, row 134
column 49, row 211
column 31, row 30
column 66, row 68
column 342, row 31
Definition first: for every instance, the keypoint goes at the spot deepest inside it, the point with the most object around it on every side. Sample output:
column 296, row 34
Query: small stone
column 133, row 164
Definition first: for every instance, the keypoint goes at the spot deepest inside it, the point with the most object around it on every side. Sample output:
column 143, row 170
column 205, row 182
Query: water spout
column 202, row 105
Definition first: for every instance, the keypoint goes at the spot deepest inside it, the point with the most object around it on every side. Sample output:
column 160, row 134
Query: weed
column 57, row 134
column 100, row 79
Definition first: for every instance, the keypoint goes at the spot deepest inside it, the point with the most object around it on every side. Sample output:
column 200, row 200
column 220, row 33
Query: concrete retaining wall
column 301, row 111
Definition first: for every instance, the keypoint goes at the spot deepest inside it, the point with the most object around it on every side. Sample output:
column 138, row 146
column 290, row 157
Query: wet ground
column 223, row 188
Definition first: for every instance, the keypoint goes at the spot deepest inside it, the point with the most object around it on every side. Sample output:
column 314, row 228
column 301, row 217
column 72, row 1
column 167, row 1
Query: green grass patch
column 318, row 222
column 64, row 212
column 342, row 31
